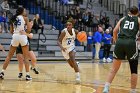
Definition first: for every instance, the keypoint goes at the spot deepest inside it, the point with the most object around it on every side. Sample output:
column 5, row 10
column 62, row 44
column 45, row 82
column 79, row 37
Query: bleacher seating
column 45, row 47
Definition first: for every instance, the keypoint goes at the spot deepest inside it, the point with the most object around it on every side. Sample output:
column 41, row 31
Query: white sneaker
column 104, row 59
column 78, row 80
column 133, row 91
column 109, row 60
column 106, row 89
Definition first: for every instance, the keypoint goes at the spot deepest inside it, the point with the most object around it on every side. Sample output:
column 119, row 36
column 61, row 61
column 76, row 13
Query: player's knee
column 133, row 66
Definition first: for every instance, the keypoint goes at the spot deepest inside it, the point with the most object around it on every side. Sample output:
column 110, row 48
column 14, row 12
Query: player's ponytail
column 19, row 11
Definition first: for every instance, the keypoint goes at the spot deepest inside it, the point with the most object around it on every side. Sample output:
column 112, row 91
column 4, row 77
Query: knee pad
column 133, row 66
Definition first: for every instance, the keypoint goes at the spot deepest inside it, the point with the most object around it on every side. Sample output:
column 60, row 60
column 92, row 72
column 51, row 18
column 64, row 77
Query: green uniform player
column 126, row 44
column 125, row 35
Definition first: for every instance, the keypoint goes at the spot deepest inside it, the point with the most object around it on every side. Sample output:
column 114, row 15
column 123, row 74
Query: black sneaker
column 35, row 71
column 20, row 75
column 1, row 75
column 28, row 77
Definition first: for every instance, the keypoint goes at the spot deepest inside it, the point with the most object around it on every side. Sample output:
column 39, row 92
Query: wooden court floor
column 58, row 77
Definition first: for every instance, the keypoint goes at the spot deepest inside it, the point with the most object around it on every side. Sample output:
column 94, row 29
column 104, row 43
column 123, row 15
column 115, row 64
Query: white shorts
column 19, row 39
column 66, row 53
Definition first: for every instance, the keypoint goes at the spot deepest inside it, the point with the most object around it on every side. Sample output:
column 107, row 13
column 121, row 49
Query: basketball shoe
column 28, row 77
column 2, row 75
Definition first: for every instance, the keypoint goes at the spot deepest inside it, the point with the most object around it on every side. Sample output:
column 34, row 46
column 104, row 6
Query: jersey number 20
column 128, row 25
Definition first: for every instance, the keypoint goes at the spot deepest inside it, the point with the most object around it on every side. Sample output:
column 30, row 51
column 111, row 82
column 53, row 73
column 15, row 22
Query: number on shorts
column 128, row 25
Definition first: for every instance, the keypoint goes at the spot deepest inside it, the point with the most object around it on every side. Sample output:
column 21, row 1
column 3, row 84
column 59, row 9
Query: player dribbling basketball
column 66, row 42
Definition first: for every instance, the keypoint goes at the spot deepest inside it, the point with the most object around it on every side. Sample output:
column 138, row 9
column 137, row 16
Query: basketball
column 82, row 36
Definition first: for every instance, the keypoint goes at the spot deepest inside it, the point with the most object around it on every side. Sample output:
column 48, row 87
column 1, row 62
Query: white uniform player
column 17, row 38
column 17, row 25
column 68, row 42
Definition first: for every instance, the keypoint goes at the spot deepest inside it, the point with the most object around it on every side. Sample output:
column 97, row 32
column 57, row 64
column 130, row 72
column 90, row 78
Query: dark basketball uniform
column 19, row 49
column 126, row 44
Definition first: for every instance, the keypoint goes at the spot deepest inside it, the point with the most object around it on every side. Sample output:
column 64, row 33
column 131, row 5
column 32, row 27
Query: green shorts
column 126, row 48
column 19, row 49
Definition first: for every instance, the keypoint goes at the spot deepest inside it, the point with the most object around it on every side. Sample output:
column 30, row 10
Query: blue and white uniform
column 17, row 38
column 68, row 42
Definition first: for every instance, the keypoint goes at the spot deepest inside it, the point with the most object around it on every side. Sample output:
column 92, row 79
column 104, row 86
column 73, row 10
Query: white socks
column 27, row 73
column 133, row 91
column 78, row 74
column 2, row 70
column 107, row 84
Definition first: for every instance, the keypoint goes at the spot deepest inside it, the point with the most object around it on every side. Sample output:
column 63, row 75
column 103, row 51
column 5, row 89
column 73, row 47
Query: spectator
column 111, row 30
column 78, row 15
column 4, row 23
column 107, row 45
column 13, row 3
column 5, row 6
column 85, row 18
column 105, row 21
column 89, row 42
column 98, row 40
column 37, row 24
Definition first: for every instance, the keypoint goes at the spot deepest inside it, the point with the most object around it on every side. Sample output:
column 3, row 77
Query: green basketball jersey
column 129, row 27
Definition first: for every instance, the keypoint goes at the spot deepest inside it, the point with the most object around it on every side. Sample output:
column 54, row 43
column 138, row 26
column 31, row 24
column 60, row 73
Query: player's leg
column 25, row 50
column 118, row 55
column 14, row 44
column 20, row 59
column 33, row 60
column 75, row 66
column 70, row 63
column 111, row 75
column 134, row 74
column 66, row 56
column 7, row 60
column 132, row 56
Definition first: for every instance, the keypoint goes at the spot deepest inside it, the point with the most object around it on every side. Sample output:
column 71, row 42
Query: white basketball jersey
column 19, row 25
column 69, row 40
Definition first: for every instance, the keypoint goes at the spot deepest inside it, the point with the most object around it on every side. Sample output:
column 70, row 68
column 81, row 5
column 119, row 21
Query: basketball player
column 17, row 24
column 31, row 55
column 126, row 45
column 66, row 42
